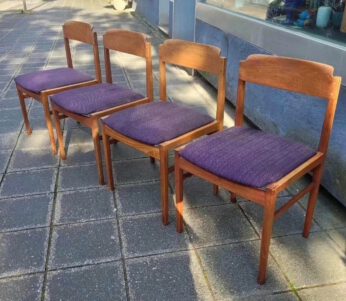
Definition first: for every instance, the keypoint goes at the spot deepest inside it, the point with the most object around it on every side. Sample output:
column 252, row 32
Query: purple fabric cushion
column 157, row 122
column 96, row 98
column 247, row 156
column 49, row 79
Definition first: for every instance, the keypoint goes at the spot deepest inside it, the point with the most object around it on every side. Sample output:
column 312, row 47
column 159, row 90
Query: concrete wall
column 287, row 114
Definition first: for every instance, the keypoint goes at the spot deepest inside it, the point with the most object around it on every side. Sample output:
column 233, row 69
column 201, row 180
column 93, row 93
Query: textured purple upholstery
column 96, row 98
column 49, row 79
column 247, row 156
column 157, row 122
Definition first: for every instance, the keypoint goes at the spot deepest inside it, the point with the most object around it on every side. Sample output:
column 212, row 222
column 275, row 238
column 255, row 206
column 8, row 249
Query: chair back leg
column 317, row 175
column 164, row 184
column 24, row 112
column 49, row 122
column 108, row 158
column 97, row 147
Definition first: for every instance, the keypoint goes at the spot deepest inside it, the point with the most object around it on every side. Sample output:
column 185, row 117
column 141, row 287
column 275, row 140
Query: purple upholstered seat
column 247, row 156
column 49, row 79
column 155, row 123
column 96, row 98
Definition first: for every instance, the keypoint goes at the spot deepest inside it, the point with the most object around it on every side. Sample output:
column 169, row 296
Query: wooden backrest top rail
column 192, row 55
column 79, row 31
column 130, row 42
column 301, row 76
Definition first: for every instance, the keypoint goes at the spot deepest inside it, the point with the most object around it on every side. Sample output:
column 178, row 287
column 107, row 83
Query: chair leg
column 24, row 112
column 108, row 158
column 179, row 188
column 312, row 200
column 233, row 197
column 59, row 134
column 152, row 160
column 268, row 220
column 215, row 189
column 49, row 122
column 97, row 148
column 164, row 184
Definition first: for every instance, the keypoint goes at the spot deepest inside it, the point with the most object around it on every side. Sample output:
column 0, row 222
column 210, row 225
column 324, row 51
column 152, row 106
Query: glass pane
column 326, row 19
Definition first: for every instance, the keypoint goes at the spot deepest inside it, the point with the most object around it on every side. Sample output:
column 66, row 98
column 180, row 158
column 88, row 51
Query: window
column 325, row 19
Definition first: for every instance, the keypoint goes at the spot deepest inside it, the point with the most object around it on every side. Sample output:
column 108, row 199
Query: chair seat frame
column 72, row 30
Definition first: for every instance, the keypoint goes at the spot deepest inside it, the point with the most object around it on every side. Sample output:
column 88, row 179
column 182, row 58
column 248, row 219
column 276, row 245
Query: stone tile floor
column 63, row 237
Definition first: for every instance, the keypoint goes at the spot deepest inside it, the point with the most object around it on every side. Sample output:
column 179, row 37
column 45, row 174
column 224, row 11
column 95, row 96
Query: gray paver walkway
column 63, row 237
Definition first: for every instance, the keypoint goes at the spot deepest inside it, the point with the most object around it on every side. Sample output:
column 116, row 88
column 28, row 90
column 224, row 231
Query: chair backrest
column 294, row 75
column 201, row 57
column 82, row 32
column 133, row 43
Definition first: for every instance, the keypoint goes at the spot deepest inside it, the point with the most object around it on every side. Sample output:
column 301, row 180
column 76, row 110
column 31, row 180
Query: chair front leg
column 97, row 149
column 24, row 112
column 108, row 158
column 317, row 175
column 179, row 188
column 60, row 134
column 164, row 184
column 268, row 220
column 49, row 122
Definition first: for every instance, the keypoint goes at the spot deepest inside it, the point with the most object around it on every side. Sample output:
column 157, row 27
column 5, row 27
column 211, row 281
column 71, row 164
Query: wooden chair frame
column 72, row 30
column 122, row 41
column 287, row 74
column 185, row 54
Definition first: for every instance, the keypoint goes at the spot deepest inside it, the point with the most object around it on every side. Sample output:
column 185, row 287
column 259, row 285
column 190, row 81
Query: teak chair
column 41, row 84
column 88, row 104
column 159, row 127
column 256, row 165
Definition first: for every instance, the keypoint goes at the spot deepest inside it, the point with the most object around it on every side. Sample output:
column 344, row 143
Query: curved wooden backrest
column 126, row 41
column 129, row 42
column 79, row 31
column 82, row 32
column 197, row 56
column 295, row 75
column 192, row 55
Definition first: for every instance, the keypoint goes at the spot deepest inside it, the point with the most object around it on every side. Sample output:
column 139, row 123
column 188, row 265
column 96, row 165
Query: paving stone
column 308, row 262
column 274, row 297
column 8, row 140
column 33, row 159
column 339, row 237
column 329, row 213
column 97, row 282
column 199, row 193
column 333, row 292
column 232, row 271
column 78, row 136
column 217, row 225
column 24, row 213
column 4, row 156
column 79, row 154
column 80, row 206
column 140, row 199
column 87, row 243
column 27, row 288
column 12, row 103
column 146, row 235
column 78, row 177
column 10, row 127
column 28, row 182
column 37, row 140
column 23, row 252
column 10, row 114
column 121, row 152
column 175, row 276
column 142, row 170
column 292, row 222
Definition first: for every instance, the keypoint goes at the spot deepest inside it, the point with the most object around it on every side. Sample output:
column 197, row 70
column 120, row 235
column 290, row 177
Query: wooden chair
column 256, row 165
column 41, row 84
column 88, row 105
column 159, row 127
